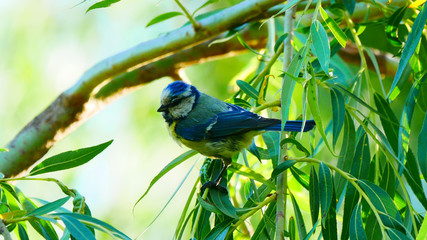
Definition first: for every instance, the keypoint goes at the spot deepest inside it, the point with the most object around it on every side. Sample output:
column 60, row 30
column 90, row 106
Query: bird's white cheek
column 183, row 109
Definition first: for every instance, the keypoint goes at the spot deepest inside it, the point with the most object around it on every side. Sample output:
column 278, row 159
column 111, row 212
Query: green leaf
column 314, row 196
column 4, row 150
column 282, row 167
column 338, row 114
column 297, row 144
column 266, row 227
column 221, row 200
column 393, row 24
column 288, row 5
column 412, row 175
column 180, row 159
column 288, row 83
column 77, row 229
column 357, row 232
column 241, row 41
column 350, row 94
column 248, row 89
column 410, row 46
column 204, row 5
column 325, row 188
column 240, row 102
column 350, row 5
column 279, row 41
column 163, row 17
column 95, row 223
column 292, row 234
column 423, row 230
column 302, row 232
column 389, row 122
column 247, row 172
column 384, row 204
column 101, row 4
column 70, row 159
column 271, row 139
column 329, row 226
column 333, row 26
column 220, row 230
column 397, row 235
column 49, row 207
column 312, row 100
column 422, row 148
column 346, row 156
column 207, row 205
column 301, row 177
column 23, row 235
column 321, row 45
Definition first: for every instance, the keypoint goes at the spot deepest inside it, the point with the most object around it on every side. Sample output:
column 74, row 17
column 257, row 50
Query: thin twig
column 192, row 20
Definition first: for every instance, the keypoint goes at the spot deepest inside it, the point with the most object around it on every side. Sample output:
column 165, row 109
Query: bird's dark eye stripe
column 174, row 103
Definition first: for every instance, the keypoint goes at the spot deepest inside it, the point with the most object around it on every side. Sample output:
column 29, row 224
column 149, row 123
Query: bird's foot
column 213, row 184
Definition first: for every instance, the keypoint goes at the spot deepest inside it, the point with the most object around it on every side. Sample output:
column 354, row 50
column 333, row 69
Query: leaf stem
column 192, row 20
column 275, row 103
column 254, row 210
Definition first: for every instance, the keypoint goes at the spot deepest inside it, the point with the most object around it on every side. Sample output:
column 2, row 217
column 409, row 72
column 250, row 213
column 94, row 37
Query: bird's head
column 178, row 99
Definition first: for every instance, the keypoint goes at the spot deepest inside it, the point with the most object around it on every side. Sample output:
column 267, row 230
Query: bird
column 214, row 128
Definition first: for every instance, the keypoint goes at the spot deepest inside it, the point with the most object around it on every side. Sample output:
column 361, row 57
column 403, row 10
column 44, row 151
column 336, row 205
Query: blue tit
column 212, row 127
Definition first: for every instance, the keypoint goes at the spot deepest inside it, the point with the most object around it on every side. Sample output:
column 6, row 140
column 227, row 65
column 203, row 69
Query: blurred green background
column 46, row 45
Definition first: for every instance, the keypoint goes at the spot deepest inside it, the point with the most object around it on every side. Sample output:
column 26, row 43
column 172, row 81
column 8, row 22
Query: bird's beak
column 162, row 108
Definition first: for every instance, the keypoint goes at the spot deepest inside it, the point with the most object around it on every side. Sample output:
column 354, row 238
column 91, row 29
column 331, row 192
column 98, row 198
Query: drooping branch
column 111, row 78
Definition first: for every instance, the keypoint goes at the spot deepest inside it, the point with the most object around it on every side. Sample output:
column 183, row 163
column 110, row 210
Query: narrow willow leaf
column 4, row 150
column 393, row 24
column 207, row 205
column 302, row 232
column 203, row 224
column 279, row 41
column 49, row 207
column 288, row 5
column 288, row 84
column 329, row 226
column 69, row 159
column 357, row 232
column 292, row 233
column 282, row 167
column 301, row 177
column 397, row 235
column 388, row 179
column 272, row 139
column 298, row 145
column 308, row 237
column 325, row 189
column 220, row 230
column 240, row 39
column 411, row 43
column 422, row 148
column 423, row 230
column 321, row 45
column 346, row 154
column 360, row 170
column 384, row 204
column 77, row 229
column 389, row 122
column 338, row 114
column 23, row 235
column 350, row 5
column 248, row 89
column 186, row 207
column 166, row 169
column 102, row 4
column 247, row 172
column 44, row 228
column 412, row 175
column 95, row 223
column 350, row 94
column 204, row 5
column 266, row 227
column 163, row 17
column 312, row 99
column 333, row 26
column 314, row 196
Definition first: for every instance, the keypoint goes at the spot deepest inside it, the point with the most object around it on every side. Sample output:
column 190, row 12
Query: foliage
column 361, row 171
column 18, row 212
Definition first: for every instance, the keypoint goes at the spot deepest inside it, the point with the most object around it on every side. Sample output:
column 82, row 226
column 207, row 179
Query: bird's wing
column 236, row 120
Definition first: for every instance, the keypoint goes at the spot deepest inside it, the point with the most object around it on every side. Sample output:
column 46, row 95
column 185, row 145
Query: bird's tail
column 293, row 126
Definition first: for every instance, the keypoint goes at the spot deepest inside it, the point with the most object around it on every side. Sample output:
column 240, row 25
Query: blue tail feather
column 293, row 126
